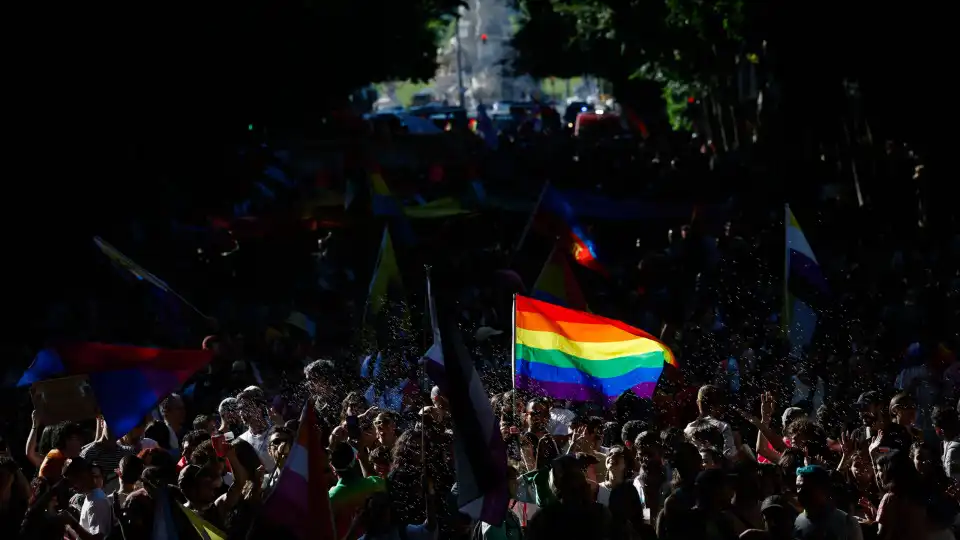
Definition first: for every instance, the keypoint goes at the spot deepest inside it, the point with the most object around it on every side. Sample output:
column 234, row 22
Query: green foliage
column 689, row 41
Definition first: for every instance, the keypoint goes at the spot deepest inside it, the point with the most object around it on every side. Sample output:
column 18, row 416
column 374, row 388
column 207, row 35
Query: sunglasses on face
column 278, row 442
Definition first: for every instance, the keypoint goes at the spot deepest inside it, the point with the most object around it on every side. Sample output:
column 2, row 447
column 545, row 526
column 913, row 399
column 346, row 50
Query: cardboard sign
column 69, row 398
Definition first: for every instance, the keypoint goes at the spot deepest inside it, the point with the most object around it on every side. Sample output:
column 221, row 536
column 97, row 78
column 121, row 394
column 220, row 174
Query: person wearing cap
column 903, row 410
column 778, row 517
column 710, row 403
column 820, row 517
column 350, row 494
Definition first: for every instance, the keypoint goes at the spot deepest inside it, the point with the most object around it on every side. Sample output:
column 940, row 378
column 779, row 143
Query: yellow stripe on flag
column 203, row 527
column 597, row 351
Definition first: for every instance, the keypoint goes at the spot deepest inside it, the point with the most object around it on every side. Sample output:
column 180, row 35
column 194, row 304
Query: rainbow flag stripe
column 567, row 354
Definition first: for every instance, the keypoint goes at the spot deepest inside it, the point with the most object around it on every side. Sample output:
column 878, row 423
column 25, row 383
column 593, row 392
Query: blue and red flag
column 128, row 381
column 557, row 217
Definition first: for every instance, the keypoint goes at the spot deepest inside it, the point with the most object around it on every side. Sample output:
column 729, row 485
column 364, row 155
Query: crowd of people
column 856, row 436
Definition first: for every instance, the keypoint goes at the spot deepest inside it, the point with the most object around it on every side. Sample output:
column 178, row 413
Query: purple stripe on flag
column 804, row 269
column 577, row 392
column 497, row 497
column 287, row 505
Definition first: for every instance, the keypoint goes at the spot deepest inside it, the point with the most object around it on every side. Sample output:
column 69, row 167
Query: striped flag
column 557, row 284
column 300, row 502
column 803, row 283
column 480, row 455
column 202, row 526
column 386, row 274
column 433, row 358
column 571, row 355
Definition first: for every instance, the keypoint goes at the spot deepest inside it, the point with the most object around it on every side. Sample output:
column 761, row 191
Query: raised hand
column 767, row 407
column 875, row 443
column 848, row 445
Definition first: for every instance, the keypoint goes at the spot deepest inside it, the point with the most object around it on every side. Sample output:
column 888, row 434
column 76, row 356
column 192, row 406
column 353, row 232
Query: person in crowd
column 128, row 472
column 710, row 404
column 653, row 466
column 946, row 421
column 281, row 441
column 573, row 512
column 535, row 442
column 67, row 441
column 253, row 411
column 779, row 517
column 106, row 451
column 173, row 412
column 376, row 519
column 15, row 494
column 349, row 496
column 159, row 432
column 941, row 502
column 627, row 515
column 206, row 423
column 96, row 514
column 230, row 421
column 710, row 517
column 745, row 507
column 872, row 419
column 381, row 460
column 857, row 469
column 617, row 472
column 200, row 486
column 405, row 475
column 820, row 515
column 190, row 443
column 901, row 512
column 386, row 426
column 43, row 519
column 903, row 412
column 96, row 472
column 628, row 434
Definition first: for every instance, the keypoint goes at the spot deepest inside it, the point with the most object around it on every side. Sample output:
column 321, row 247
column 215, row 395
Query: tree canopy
column 811, row 47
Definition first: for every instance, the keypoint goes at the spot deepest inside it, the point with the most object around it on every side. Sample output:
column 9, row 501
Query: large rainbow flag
column 567, row 354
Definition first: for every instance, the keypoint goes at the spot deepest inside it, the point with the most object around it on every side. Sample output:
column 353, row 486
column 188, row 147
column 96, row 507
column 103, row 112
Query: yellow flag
column 203, row 527
column 386, row 272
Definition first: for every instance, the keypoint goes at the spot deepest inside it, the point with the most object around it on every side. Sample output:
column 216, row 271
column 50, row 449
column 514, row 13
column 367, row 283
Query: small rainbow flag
column 557, row 283
column 567, row 354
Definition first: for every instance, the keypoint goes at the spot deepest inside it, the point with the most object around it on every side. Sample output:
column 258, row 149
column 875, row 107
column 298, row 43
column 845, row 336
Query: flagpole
column 533, row 214
column 513, row 355
column 423, row 364
column 785, row 324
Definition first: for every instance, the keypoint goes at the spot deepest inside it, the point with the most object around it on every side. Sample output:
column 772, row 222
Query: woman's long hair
column 901, row 477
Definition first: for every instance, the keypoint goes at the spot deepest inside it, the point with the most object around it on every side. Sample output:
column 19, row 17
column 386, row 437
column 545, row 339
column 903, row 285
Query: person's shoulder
column 335, row 490
column 376, row 483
